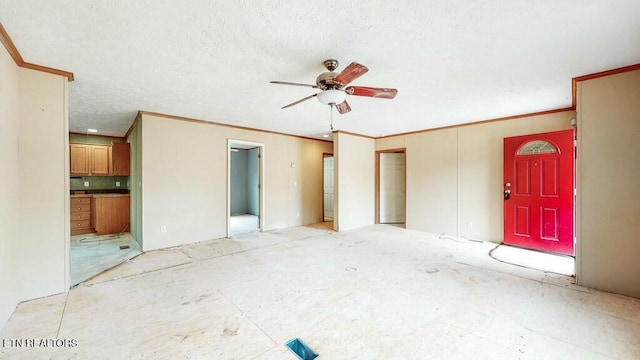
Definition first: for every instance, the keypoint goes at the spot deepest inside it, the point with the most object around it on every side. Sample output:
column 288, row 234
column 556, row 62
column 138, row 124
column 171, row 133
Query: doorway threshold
column 532, row 259
column 93, row 254
column 325, row 225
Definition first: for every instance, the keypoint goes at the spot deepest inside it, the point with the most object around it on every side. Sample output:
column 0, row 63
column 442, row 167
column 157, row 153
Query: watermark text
column 35, row 343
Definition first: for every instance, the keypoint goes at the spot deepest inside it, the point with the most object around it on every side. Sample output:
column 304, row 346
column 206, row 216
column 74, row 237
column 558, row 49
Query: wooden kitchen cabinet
column 88, row 159
column 100, row 160
column 80, row 156
column 111, row 213
column 81, row 214
column 120, row 159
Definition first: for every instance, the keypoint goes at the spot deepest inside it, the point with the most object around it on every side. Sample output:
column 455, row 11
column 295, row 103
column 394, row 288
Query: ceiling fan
column 334, row 86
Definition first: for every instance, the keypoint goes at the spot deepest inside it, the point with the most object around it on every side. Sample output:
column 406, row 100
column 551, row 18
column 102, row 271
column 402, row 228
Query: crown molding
column 575, row 80
column 5, row 39
column 199, row 121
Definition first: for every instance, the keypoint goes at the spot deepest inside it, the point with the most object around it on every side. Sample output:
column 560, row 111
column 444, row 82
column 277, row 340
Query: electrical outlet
column 469, row 224
column 163, row 228
column 117, row 183
column 86, row 184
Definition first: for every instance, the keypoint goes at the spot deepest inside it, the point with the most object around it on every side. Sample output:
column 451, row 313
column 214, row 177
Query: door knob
column 507, row 194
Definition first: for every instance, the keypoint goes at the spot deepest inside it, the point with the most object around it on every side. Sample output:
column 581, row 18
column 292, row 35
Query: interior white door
column 392, row 188
column 328, row 188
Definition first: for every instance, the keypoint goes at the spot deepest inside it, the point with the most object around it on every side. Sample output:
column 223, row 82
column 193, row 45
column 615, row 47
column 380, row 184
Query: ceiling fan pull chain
column 331, row 110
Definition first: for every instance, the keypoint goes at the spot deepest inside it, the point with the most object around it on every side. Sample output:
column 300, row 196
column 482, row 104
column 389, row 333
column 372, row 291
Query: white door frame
column 261, row 167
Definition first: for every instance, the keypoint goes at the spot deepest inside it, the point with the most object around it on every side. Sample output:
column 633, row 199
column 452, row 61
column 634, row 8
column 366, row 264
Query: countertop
column 109, row 195
column 97, row 195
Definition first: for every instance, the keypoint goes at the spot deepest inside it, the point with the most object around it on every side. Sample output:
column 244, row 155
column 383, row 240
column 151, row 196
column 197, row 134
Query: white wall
column 608, row 224
column 34, row 187
column 184, row 176
column 354, row 164
column 454, row 175
column 9, row 184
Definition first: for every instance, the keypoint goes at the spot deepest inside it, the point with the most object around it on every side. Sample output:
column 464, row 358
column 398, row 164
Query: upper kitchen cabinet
column 89, row 159
column 120, row 157
column 99, row 160
column 80, row 159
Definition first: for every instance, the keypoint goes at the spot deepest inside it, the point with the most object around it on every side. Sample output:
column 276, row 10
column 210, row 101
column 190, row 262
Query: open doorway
column 244, row 190
column 101, row 189
column 391, row 187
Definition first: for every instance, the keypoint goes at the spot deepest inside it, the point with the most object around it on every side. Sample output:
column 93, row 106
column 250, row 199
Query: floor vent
column 302, row 350
column 122, row 247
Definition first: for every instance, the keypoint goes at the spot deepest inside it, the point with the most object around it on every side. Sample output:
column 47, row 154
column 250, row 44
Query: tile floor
column 92, row 254
column 380, row 292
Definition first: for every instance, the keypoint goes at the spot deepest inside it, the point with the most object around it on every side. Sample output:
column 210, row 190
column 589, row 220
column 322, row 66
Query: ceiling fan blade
column 299, row 101
column 350, row 73
column 292, row 83
column 384, row 93
column 343, row 107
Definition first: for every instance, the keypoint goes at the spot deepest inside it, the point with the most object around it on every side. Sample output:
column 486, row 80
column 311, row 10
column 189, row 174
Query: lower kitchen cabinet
column 111, row 213
column 81, row 215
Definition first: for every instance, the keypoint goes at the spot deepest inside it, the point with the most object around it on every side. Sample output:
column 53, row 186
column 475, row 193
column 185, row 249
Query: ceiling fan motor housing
column 325, row 81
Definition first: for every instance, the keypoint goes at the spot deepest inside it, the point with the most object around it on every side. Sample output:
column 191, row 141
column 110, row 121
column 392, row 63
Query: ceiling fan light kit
column 332, row 97
column 333, row 85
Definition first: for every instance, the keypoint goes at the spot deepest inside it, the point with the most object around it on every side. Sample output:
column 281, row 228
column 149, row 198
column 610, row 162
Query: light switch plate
column 117, row 183
column 86, row 184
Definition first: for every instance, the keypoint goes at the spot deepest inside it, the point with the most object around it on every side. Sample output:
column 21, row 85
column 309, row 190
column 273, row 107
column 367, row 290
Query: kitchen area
column 100, row 205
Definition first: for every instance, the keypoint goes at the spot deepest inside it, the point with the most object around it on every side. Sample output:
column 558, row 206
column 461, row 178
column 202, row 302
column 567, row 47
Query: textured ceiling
column 452, row 61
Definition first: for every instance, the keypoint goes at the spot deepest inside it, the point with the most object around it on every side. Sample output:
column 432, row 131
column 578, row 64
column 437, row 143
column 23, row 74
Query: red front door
column 538, row 191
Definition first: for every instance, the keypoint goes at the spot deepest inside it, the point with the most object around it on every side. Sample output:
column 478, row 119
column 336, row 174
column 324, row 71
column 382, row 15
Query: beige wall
column 44, row 206
column 609, row 174
column 454, row 175
column 431, row 181
column 9, row 184
column 354, row 164
column 34, row 220
column 184, row 180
